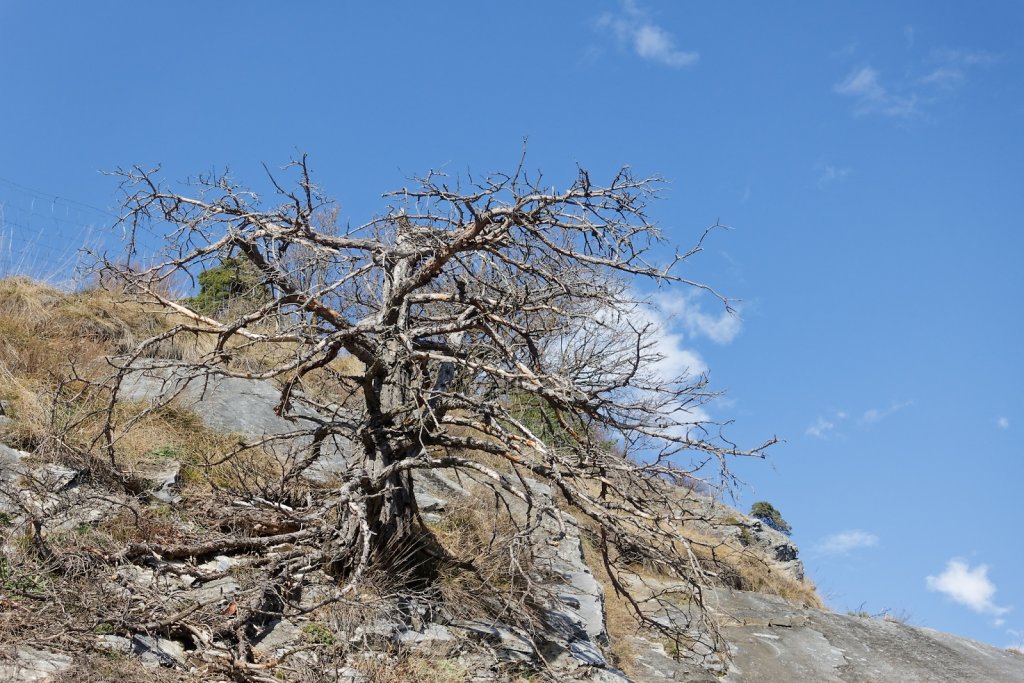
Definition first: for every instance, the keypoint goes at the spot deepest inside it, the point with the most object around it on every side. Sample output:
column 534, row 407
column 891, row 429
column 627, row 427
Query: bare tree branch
column 498, row 335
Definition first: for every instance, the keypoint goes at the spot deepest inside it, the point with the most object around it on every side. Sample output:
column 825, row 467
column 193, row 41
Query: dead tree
column 496, row 328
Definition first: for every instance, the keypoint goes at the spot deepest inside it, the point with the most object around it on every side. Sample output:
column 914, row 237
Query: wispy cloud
column 945, row 77
column 685, row 309
column 675, row 321
column 832, row 174
column 613, row 332
column 827, row 423
column 969, row 587
column 965, row 57
column 1003, row 422
column 926, row 82
column 865, row 87
column 821, row 428
column 875, row 415
column 948, row 68
column 845, row 542
column 634, row 29
column 677, row 359
column 664, row 343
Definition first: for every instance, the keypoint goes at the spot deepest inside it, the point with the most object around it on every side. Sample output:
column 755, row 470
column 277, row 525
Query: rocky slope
column 769, row 638
column 137, row 572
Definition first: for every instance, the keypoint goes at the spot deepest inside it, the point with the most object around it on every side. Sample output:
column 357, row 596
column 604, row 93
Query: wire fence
column 47, row 237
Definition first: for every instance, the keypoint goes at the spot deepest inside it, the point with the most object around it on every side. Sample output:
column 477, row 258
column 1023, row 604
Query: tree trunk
column 389, row 506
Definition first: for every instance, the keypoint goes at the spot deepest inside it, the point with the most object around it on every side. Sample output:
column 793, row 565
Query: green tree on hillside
column 232, row 281
column 767, row 513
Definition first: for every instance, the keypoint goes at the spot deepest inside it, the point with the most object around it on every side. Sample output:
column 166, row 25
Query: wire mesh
column 47, row 237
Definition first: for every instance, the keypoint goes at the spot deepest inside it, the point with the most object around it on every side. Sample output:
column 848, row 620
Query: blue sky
column 868, row 156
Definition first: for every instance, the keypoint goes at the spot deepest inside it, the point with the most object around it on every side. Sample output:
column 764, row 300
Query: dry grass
column 742, row 568
column 47, row 337
column 413, row 668
column 42, row 328
column 619, row 620
column 731, row 566
column 488, row 560
column 50, row 340
column 103, row 667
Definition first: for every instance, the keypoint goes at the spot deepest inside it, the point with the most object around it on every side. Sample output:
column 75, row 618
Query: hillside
column 166, row 564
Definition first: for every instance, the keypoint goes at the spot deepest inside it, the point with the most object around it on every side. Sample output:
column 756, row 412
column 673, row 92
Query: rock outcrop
column 769, row 639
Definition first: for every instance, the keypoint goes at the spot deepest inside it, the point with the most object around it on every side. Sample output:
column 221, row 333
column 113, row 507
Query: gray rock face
column 164, row 482
column 578, row 614
column 46, row 493
column 30, row 665
column 241, row 406
column 511, row 645
column 280, row 635
column 156, row 652
column 771, row 641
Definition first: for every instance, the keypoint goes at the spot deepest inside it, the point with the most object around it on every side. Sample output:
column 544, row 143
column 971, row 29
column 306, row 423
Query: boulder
column 771, row 640
column 240, row 406
column 25, row 664
column 156, row 652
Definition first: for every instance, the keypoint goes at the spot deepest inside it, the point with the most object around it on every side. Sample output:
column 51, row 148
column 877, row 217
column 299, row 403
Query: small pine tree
column 767, row 513
column 232, row 281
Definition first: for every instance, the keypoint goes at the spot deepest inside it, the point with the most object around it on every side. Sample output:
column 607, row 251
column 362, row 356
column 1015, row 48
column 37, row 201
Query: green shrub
column 165, row 452
column 539, row 418
column 234, row 281
column 318, row 633
column 767, row 513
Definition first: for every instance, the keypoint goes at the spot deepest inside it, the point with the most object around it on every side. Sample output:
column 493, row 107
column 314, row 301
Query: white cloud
column 875, row 415
column 832, row 174
column 1003, row 422
column 685, row 309
column 669, row 331
column 652, row 42
column 823, row 426
column 634, row 28
column 865, row 87
column 965, row 57
column 945, row 77
column 845, row 542
column 820, row 429
column 969, row 587
column 872, row 415
column 612, row 332
column 676, row 359
column 862, row 83
column 944, row 71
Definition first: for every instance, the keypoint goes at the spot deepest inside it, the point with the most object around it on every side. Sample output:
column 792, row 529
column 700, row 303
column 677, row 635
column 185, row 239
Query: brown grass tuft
column 488, row 558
